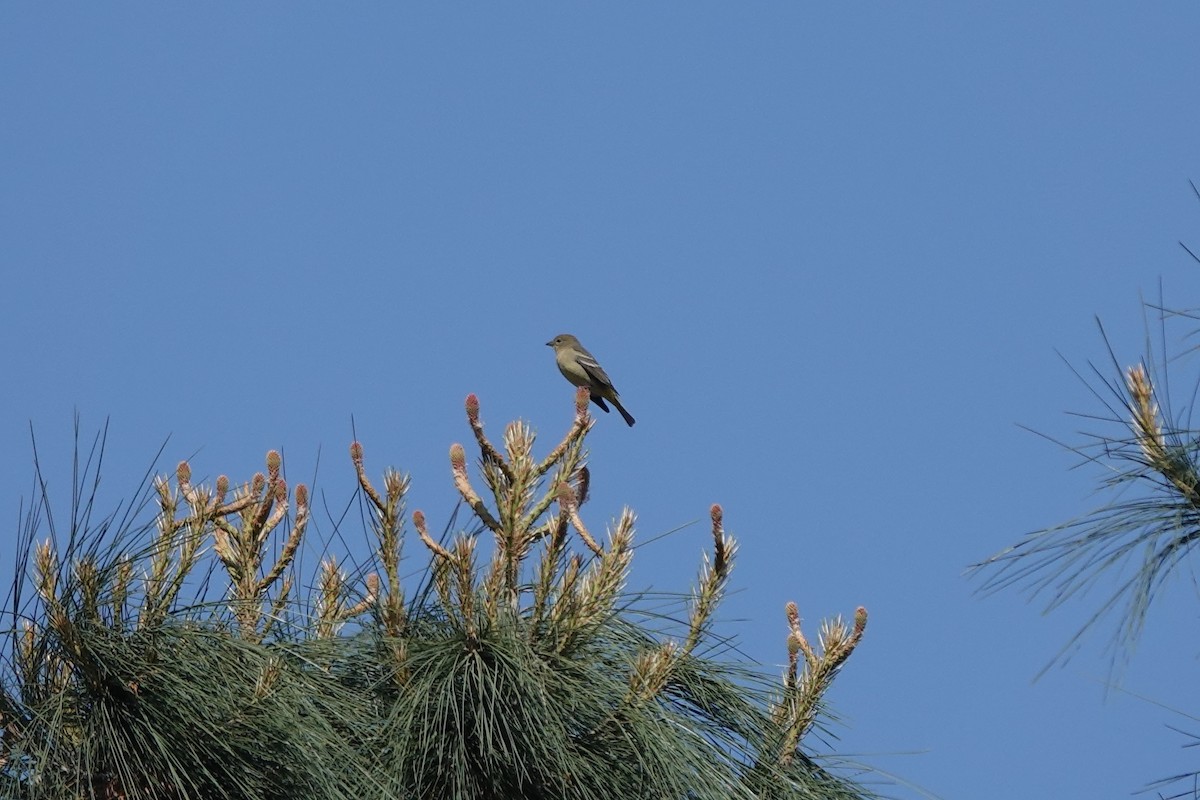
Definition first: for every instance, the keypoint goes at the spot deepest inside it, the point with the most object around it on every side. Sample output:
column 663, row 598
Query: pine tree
column 519, row 667
column 1150, row 462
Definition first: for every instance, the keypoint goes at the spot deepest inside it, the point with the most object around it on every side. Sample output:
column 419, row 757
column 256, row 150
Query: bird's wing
column 594, row 370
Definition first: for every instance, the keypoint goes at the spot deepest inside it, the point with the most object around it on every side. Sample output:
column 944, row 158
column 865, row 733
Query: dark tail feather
column 629, row 420
column 598, row 400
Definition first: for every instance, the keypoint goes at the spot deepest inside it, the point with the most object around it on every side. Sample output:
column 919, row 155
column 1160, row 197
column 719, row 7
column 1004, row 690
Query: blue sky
column 827, row 254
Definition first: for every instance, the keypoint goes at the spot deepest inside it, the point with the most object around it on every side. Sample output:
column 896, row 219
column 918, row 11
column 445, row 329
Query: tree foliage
column 1149, row 458
column 183, row 657
column 1148, row 452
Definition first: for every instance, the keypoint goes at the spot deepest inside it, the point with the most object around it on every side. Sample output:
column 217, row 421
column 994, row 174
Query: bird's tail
column 629, row 420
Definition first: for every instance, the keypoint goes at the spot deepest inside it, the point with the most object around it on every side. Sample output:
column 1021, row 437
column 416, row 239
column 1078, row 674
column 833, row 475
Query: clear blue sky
column 827, row 253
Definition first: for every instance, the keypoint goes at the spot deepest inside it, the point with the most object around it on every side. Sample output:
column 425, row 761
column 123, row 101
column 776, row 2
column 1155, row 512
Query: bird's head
column 562, row 340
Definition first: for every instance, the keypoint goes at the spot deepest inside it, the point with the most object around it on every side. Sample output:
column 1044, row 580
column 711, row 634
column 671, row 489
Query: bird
column 581, row 368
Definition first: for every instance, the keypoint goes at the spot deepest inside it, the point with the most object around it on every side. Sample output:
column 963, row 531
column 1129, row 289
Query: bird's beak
column 549, row 344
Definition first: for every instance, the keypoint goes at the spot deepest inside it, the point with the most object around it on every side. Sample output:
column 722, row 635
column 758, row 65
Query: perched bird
column 581, row 368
